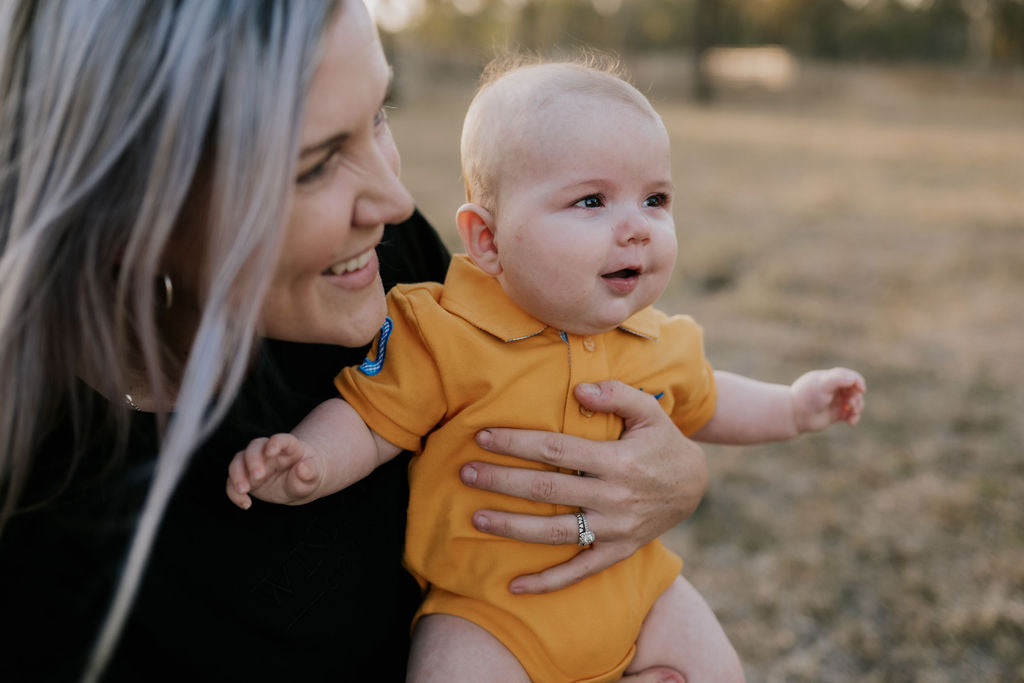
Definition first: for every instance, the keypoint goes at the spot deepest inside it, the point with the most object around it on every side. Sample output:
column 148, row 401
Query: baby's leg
column 682, row 632
column 451, row 649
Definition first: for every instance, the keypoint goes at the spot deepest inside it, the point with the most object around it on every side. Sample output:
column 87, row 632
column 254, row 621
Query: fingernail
column 590, row 389
column 469, row 474
column 481, row 522
column 484, row 437
column 516, row 589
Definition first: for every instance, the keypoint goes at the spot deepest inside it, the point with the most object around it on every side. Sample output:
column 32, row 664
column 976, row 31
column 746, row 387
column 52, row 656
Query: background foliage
column 989, row 32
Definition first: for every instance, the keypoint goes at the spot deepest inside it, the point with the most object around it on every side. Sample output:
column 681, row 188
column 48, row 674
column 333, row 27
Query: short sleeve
column 398, row 390
column 693, row 379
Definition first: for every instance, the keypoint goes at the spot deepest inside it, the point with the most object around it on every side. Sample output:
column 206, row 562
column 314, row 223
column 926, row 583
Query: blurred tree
column 980, row 31
column 1008, row 40
column 706, row 21
column 530, row 25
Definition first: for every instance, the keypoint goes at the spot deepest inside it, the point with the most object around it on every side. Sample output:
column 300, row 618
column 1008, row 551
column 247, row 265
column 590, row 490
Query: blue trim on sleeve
column 372, row 367
column 657, row 396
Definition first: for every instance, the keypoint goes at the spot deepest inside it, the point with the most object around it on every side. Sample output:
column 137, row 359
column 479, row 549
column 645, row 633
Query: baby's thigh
column 683, row 633
column 451, row 649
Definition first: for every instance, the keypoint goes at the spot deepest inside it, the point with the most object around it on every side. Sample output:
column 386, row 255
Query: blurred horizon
column 985, row 34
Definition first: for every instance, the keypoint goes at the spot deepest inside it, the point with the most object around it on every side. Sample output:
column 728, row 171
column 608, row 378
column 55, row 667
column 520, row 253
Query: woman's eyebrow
column 329, row 143
column 338, row 139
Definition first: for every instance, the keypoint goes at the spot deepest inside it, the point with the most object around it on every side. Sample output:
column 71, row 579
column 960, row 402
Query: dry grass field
column 866, row 217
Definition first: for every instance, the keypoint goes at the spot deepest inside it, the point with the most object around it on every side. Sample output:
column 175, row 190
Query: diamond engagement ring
column 586, row 535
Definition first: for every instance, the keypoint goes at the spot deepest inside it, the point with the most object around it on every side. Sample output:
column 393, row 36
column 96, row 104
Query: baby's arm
column 330, row 449
column 749, row 411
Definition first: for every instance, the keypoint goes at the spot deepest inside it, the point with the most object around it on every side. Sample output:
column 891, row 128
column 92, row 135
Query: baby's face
column 584, row 225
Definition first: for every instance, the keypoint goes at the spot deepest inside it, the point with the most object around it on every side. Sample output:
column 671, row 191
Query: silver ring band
column 586, row 535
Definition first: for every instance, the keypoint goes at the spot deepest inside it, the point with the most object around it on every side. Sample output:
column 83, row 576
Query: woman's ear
column 476, row 228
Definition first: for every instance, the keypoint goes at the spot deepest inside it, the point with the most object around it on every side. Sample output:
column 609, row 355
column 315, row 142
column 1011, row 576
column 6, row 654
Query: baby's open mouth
column 624, row 273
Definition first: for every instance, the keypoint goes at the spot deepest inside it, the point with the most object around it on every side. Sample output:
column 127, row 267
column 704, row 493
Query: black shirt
column 275, row 593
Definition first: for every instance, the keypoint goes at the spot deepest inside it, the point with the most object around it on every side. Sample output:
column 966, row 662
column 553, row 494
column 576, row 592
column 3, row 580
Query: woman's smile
column 355, row 272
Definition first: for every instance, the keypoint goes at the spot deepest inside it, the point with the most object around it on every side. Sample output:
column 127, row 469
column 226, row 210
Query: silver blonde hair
column 117, row 119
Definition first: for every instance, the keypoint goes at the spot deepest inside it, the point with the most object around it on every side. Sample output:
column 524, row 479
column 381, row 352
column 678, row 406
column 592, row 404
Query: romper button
column 586, row 412
column 588, row 343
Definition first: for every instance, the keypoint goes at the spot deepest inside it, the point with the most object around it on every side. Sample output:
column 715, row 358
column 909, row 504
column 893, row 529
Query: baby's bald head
column 516, row 103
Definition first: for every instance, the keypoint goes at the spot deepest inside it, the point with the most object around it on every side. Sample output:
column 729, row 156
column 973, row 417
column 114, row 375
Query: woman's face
column 326, row 287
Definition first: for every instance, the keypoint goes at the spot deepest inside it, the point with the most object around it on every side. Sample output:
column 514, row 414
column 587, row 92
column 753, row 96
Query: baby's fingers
column 238, row 484
column 844, row 379
column 307, row 472
column 266, row 457
column 853, row 405
column 254, row 458
column 304, row 480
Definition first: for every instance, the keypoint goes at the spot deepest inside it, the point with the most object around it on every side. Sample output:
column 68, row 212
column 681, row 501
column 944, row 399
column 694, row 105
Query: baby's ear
column 476, row 228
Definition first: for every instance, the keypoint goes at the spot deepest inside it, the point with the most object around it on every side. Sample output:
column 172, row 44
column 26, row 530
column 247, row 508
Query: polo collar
column 479, row 299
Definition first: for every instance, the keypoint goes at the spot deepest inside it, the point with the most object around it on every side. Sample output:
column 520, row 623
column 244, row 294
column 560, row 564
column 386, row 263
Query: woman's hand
column 636, row 488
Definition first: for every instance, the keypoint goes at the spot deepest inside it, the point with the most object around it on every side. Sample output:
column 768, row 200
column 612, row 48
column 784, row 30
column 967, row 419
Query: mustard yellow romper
column 455, row 359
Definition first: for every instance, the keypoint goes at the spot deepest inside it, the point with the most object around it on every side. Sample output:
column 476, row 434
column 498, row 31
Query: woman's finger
column 537, row 485
column 612, row 396
column 551, row 448
column 572, row 452
column 553, row 530
column 587, row 562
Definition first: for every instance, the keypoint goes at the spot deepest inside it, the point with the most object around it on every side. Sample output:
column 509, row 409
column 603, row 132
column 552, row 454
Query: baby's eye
column 657, row 200
column 381, row 116
column 593, row 201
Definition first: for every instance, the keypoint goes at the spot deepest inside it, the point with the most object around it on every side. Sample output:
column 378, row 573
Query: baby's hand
column 821, row 397
column 281, row 469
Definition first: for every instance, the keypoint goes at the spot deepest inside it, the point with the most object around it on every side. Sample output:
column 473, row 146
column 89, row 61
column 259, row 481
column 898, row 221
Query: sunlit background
column 849, row 190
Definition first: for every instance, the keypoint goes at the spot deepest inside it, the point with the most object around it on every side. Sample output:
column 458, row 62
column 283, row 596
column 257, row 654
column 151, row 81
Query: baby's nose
column 633, row 228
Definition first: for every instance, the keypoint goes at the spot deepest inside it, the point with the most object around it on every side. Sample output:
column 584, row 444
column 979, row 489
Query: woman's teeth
column 354, row 263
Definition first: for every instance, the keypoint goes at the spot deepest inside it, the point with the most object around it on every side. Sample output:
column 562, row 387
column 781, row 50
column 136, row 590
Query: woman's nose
column 384, row 198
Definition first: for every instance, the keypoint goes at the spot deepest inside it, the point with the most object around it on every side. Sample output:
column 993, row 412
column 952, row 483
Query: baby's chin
column 607, row 323
column 596, row 318
column 592, row 327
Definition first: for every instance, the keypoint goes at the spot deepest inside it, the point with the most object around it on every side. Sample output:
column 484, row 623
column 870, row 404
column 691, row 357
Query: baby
column 569, row 240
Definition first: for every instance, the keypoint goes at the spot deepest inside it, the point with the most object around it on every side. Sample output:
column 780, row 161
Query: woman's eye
column 656, row 200
column 381, row 116
column 319, row 170
column 591, row 202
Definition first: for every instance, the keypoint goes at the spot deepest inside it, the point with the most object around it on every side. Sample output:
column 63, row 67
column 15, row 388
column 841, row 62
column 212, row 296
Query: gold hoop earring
column 165, row 283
